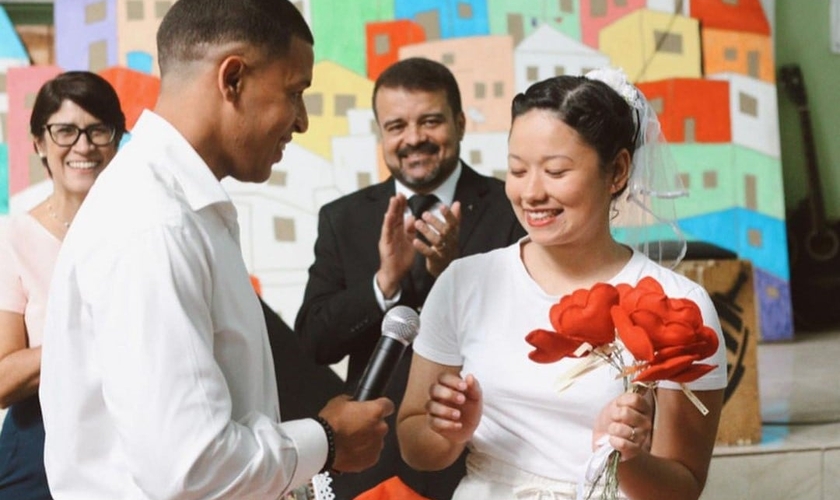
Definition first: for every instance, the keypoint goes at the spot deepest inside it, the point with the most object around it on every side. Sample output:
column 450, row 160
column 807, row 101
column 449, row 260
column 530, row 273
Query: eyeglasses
column 67, row 134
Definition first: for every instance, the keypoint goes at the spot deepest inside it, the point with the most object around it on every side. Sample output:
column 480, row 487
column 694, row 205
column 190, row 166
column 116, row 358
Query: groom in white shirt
column 157, row 377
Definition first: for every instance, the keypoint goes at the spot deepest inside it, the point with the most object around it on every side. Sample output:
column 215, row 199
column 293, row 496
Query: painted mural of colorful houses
column 442, row 19
column 520, row 19
column 384, row 40
column 652, row 45
column 548, row 52
column 97, row 34
column 595, row 15
column 12, row 55
column 705, row 65
column 736, row 38
column 486, row 152
column 335, row 90
column 22, row 85
column 137, row 91
column 341, row 29
column 486, row 89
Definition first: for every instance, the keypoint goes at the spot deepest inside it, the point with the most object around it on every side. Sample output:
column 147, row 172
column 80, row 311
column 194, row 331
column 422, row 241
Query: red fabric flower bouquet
column 666, row 338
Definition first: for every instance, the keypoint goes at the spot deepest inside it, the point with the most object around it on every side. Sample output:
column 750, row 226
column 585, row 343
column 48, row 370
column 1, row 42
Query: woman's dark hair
column 88, row 90
column 417, row 73
column 591, row 107
column 191, row 26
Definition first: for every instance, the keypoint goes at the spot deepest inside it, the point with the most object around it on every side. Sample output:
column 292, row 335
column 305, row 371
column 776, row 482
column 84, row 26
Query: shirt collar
column 445, row 192
column 200, row 187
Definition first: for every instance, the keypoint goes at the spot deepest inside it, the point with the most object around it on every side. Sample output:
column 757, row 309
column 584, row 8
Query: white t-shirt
column 477, row 316
column 157, row 378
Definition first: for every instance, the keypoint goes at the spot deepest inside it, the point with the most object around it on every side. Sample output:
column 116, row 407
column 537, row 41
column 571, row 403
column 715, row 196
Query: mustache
column 428, row 148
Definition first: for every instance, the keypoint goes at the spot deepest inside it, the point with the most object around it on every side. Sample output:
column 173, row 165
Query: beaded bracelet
column 328, row 430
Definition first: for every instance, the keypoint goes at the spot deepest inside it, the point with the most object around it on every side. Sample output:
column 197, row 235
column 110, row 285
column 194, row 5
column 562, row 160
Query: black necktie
column 422, row 280
column 420, row 203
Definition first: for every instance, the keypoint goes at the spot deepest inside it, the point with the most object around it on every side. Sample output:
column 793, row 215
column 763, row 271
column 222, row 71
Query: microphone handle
column 379, row 369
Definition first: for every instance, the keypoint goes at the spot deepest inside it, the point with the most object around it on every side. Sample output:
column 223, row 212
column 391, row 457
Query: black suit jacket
column 340, row 315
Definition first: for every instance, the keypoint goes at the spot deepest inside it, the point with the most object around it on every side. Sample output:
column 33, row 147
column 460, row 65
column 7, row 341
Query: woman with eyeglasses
column 76, row 127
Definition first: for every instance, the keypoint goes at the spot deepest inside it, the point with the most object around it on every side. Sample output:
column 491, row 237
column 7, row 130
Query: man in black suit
column 362, row 267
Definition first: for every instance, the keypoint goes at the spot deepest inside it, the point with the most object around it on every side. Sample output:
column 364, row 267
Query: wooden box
column 730, row 285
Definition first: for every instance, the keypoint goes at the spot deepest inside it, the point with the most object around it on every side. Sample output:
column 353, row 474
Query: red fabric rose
column 666, row 336
column 582, row 317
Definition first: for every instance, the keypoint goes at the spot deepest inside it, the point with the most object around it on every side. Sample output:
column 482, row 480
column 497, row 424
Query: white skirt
column 491, row 479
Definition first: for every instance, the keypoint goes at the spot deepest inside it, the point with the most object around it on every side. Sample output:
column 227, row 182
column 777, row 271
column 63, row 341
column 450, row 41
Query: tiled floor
column 799, row 454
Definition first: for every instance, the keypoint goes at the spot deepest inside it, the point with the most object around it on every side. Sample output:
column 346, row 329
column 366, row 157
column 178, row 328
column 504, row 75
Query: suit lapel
column 470, row 190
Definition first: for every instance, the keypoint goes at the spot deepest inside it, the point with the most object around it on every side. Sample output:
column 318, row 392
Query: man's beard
column 436, row 175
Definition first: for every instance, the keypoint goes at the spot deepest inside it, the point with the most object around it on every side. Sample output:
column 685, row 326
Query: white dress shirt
column 157, row 379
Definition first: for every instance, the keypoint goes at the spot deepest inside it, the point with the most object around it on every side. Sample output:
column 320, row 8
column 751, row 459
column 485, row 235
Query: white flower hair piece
column 617, row 80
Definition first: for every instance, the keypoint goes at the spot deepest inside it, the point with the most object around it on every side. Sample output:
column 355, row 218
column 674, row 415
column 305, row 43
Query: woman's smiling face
column 559, row 191
column 74, row 168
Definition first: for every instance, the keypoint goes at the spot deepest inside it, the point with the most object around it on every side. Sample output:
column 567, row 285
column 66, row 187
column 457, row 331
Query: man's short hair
column 418, row 73
column 192, row 26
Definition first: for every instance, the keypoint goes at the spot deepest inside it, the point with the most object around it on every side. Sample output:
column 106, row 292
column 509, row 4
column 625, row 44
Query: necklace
column 52, row 213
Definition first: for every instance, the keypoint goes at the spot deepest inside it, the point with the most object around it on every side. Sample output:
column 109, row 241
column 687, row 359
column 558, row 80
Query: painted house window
column 37, row 172
column 567, row 6
column 747, row 104
column 382, row 44
column 480, row 90
column 515, row 27
column 751, row 192
column 559, row 70
column 598, row 8
column 161, row 8
column 710, row 179
column 95, row 12
column 448, row 59
column 430, row 21
column 657, row 104
column 668, row 42
column 298, row 5
column 621, row 3
column 98, row 56
column 3, row 84
column 277, row 178
column 498, row 89
column 754, row 64
column 363, row 180
column 684, row 180
column 755, row 238
column 731, row 2
column 689, row 130
column 730, row 54
column 475, row 156
column 465, row 10
column 284, row 229
column 532, row 73
column 314, row 104
column 344, row 102
column 134, row 10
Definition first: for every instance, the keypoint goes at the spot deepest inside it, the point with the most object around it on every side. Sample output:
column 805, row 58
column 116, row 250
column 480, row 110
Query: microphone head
column 401, row 323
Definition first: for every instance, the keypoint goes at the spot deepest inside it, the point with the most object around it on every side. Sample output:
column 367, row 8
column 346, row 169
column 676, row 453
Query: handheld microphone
column 399, row 327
